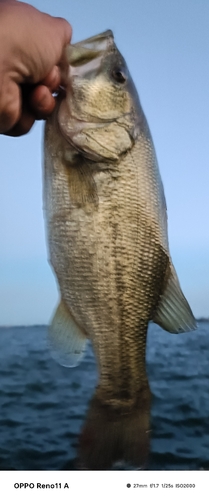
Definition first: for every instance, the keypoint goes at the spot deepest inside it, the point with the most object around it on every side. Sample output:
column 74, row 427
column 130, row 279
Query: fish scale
column 121, row 280
column 106, row 224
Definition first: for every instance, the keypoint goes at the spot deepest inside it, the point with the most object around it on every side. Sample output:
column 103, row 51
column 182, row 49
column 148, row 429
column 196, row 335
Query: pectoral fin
column 66, row 340
column 173, row 313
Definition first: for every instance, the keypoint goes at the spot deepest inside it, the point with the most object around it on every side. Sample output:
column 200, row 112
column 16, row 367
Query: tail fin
column 112, row 436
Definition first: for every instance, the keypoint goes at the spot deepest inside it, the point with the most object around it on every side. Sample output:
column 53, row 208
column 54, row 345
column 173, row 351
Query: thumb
column 65, row 29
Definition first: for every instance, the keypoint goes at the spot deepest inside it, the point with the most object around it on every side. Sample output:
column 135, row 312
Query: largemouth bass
column 107, row 234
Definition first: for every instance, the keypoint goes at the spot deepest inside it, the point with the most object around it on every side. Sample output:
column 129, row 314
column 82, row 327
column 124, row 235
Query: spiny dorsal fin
column 66, row 340
column 173, row 313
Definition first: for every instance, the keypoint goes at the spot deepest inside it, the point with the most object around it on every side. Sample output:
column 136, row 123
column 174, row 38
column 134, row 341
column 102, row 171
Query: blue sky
column 166, row 45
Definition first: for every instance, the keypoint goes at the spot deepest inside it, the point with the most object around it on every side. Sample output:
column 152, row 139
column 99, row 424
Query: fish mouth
column 96, row 40
column 84, row 60
column 87, row 50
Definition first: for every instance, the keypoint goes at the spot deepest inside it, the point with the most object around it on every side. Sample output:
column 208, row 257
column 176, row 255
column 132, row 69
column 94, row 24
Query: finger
column 65, row 30
column 26, row 119
column 23, row 126
column 41, row 102
column 58, row 32
column 53, row 79
column 10, row 105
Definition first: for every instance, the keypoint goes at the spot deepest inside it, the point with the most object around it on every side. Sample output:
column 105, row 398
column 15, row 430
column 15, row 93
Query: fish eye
column 119, row 75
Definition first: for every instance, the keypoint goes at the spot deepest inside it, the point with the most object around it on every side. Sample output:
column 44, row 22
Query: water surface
column 43, row 405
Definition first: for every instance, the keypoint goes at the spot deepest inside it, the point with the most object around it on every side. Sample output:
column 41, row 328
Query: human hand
column 32, row 45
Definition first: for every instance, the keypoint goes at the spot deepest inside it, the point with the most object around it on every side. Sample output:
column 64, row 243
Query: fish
column 106, row 226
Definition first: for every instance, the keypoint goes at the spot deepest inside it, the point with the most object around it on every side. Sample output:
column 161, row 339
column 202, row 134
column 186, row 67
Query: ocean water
column 43, row 405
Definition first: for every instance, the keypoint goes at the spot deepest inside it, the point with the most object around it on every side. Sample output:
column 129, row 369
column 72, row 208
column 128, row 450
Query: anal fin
column 66, row 340
column 174, row 313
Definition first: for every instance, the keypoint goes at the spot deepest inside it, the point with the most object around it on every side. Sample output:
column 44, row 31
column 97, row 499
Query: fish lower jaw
column 71, row 129
column 73, row 150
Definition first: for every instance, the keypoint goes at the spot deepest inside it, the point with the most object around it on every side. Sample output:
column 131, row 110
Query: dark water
column 43, row 405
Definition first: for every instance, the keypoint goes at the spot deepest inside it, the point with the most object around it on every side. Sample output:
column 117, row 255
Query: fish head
column 100, row 114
